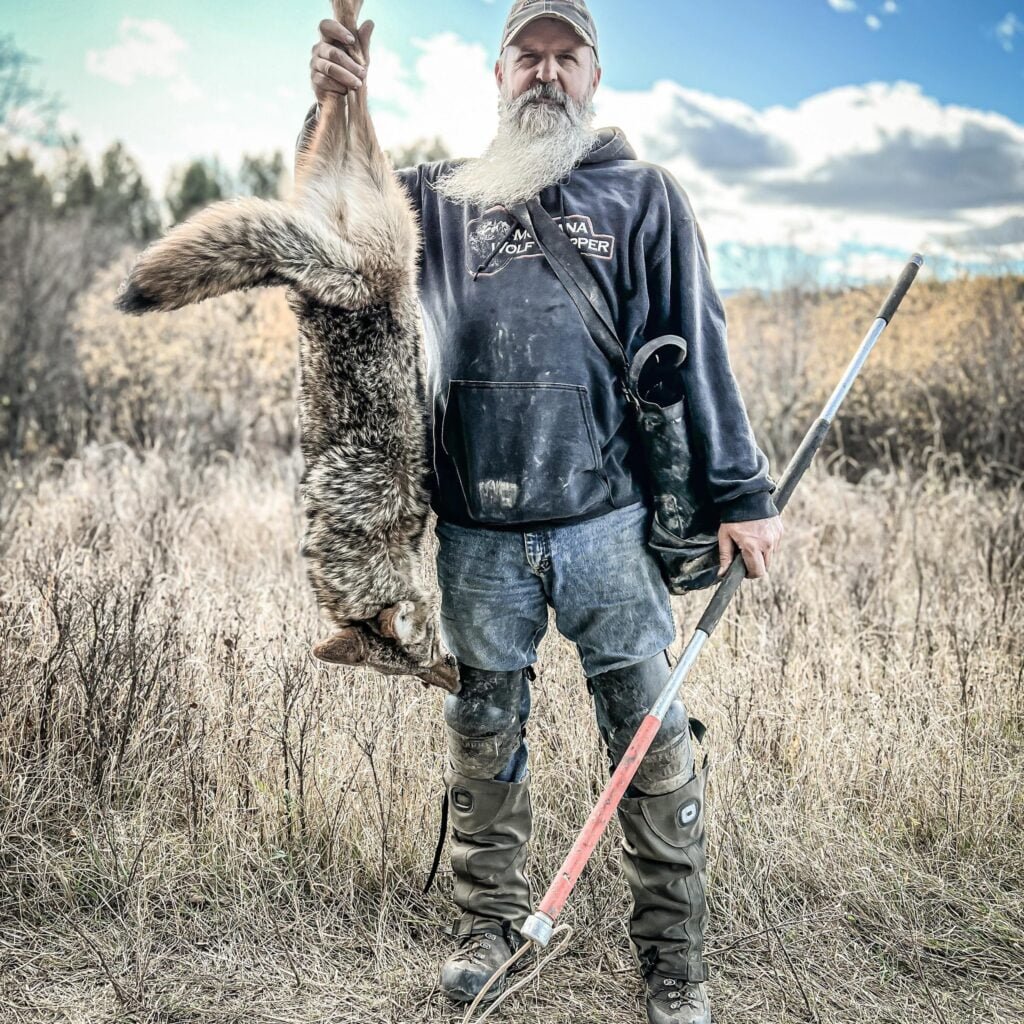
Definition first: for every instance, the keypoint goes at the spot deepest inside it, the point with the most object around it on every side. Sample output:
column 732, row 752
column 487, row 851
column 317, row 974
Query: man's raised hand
column 332, row 68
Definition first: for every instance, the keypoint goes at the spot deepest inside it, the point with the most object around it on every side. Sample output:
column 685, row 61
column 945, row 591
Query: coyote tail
column 346, row 238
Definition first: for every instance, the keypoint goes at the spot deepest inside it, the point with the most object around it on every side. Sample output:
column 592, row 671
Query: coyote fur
column 346, row 246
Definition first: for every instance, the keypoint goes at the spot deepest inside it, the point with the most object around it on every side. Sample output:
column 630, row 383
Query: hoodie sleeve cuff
column 748, row 507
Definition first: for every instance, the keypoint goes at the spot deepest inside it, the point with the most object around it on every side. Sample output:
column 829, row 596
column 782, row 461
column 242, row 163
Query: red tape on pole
column 573, row 865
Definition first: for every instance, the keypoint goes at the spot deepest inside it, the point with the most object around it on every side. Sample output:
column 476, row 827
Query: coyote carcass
column 345, row 245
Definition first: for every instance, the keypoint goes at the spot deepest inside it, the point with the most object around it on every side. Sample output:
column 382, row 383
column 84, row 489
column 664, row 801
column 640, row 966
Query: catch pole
column 539, row 925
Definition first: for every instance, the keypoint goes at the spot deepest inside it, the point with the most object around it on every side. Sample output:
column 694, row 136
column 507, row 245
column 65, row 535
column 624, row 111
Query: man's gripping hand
column 332, row 69
column 757, row 541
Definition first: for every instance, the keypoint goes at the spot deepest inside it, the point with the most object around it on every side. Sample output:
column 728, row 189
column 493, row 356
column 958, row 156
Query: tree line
column 115, row 193
column 63, row 218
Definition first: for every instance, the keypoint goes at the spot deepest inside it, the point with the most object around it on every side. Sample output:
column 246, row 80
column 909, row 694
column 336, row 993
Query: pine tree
column 198, row 185
column 123, row 199
column 262, row 176
column 22, row 187
column 74, row 184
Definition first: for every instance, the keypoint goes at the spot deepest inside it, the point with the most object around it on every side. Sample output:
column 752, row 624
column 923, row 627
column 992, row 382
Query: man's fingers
column 335, row 56
column 324, row 86
column 772, row 548
column 332, row 31
column 755, row 563
column 333, row 67
column 758, row 541
column 341, row 76
column 726, row 553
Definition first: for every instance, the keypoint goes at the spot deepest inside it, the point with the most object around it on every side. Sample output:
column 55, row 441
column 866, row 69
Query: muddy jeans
column 606, row 591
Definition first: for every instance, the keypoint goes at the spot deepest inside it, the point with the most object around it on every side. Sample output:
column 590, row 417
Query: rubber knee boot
column 665, row 862
column 491, row 825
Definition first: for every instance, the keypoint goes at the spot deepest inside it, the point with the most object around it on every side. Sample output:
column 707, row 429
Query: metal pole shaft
column 539, row 925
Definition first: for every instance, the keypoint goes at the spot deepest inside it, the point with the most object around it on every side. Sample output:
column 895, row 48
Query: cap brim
column 518, row 27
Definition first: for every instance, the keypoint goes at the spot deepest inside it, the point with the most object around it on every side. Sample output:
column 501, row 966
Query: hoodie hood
column 612, row 144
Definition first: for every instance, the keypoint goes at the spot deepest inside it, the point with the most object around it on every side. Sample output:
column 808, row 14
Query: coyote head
column 402, row 640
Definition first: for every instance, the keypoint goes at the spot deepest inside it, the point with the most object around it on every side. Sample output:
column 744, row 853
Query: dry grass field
column 199, row 824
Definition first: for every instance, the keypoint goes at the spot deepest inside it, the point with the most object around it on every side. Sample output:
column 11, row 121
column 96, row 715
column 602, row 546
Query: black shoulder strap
column 567, row 263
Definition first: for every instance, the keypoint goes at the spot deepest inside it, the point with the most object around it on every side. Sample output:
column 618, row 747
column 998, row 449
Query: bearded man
column 538, row 490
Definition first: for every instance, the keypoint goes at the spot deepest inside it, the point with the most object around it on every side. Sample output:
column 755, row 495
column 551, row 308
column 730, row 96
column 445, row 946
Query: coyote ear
column 395, row 623
column 346, row 647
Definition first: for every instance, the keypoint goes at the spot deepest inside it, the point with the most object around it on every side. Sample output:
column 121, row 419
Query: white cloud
column 890, row 7
column 873, row 22
column 880, row 164
column 146, row 48
column 183, row 89
column 449, row 91
column 1007, row 30
column 845, row 6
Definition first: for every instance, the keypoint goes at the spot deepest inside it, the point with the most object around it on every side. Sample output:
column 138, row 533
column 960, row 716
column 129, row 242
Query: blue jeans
column 607, row 593
column 606, row 590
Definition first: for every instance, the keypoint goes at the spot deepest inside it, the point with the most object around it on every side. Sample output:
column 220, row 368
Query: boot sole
column 460, row 998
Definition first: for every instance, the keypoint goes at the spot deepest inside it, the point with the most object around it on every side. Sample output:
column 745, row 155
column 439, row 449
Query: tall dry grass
column 199, row 824
column 945, row 389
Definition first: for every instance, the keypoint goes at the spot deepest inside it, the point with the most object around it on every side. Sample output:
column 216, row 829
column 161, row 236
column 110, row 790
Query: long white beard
column 537, row 144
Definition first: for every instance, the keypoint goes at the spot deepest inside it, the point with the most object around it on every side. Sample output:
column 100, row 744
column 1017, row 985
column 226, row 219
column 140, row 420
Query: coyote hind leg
column 344, row 178
column 318, row 167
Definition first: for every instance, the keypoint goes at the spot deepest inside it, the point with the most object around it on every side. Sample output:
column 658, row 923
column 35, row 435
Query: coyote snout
column 345, row 245
column 403, row 640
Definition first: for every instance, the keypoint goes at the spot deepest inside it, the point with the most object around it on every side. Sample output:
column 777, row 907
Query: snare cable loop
column 523, row 982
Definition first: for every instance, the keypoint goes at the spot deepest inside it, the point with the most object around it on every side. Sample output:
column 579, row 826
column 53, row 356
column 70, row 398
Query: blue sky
column 783, row 118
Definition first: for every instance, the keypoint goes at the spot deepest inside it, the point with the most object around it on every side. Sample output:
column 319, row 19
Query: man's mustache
column 544, row 91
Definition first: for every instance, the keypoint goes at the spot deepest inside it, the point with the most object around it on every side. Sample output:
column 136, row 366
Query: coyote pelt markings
column 346, row 245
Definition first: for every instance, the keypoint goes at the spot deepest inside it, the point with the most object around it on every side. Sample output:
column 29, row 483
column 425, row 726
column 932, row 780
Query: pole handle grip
column 900, row 289
column 726, row 591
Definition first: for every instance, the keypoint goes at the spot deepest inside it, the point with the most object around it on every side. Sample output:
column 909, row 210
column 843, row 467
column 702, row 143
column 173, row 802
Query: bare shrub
column 219, row 376
column 47, row 264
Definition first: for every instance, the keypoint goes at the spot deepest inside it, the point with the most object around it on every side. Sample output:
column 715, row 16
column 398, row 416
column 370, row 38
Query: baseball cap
column 572, row 11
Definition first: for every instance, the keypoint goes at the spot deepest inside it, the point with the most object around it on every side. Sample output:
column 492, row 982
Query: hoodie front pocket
column 523, row 452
